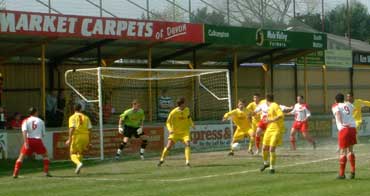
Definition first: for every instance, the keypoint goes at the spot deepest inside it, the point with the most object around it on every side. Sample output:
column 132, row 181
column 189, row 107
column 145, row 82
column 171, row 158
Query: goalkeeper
column 131, row 124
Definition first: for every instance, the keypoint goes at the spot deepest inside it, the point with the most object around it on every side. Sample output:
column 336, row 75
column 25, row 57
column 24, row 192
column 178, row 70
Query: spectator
column 16, row 122
column 59, row 115
column 51, row 108
column 1, row 86
column 3, row 118
column 165, row 105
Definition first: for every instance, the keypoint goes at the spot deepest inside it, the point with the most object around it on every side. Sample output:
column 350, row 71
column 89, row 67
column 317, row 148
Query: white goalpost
column 207, row 92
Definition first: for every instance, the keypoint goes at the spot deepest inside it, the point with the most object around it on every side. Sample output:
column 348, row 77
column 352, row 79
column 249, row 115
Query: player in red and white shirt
column 343, row 113
column 33, row 130
column 301, row 114
column 262, row 109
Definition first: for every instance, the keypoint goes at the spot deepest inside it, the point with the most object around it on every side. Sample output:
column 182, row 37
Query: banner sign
column 206, row 137
column 361, row 59
column 54, row 25
column 338, row 58
column 290, row 39
column 112, row 139
column 229, row 35
column 263, row 37
column 316, row 58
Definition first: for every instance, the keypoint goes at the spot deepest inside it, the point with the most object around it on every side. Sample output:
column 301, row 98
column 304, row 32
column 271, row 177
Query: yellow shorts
column 272, row 138
column 179, row 137
column 79, row 143
column 242, row 133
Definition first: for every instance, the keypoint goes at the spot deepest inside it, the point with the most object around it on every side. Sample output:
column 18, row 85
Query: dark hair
column 270, row 97
column 300, row 96
column 339, row 98
column 242, row 100
column 257, row 95
column 180, row 101
column 77, row 107
column 32, row 111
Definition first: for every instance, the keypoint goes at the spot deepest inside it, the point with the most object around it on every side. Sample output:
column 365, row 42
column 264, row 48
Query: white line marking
column 190, row 178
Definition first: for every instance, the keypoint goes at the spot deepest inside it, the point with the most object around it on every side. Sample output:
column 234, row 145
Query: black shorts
column 131, row 131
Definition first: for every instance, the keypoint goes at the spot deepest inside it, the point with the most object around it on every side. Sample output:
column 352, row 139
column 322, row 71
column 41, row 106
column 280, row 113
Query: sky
column 125, row 9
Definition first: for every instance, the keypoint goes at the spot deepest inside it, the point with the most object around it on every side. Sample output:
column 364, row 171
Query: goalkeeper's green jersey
column 133, row 118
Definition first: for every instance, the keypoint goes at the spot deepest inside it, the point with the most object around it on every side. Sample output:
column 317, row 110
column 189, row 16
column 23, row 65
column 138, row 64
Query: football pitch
column 302, row 172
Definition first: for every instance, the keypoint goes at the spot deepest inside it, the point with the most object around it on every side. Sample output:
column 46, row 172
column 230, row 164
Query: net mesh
column 206, row 91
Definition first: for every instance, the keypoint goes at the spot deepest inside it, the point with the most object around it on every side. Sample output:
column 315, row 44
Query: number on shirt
column 34, row 125
column 346, row 110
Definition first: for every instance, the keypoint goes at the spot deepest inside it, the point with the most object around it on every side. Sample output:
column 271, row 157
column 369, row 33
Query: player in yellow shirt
column 79, row 136
column 274, row 133
column 256, row 117
column 239, row 116
column 178, row 124
column 357, row 113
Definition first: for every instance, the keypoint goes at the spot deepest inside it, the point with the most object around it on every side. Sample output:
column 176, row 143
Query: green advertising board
column 338, row 58
column 263, row 37
column 229, row 35
column 290, row 39
column 316, row 58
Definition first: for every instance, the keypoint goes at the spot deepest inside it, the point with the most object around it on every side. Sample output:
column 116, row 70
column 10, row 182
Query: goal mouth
column 108, row 91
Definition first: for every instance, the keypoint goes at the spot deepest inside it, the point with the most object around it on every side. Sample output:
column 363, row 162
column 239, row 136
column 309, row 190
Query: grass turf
column 302, row 172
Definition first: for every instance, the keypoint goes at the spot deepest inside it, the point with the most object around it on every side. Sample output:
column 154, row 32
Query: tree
column 336, row 21
column 169, row 13
column 203, row 16
column 2, row 5
column 270, row 13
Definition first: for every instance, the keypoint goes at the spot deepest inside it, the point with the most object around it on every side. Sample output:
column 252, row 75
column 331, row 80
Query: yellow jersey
column 251, row 107
column 273, row 112
column 239, row 118
column 357, row 113
column 80, row 122
column 179, row 121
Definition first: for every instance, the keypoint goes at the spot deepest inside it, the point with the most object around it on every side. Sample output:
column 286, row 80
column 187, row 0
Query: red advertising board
column 112, row 139
column 54, row 25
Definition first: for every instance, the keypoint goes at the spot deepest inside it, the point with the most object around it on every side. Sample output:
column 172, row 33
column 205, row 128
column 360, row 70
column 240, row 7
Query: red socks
column 17, row 167
column 258, row 142
column 342, row 165
column 292, row 143
column 352, row 161
column 46, row 165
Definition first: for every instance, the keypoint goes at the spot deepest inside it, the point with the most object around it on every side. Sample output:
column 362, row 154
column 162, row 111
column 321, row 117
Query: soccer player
column 78, row 136
column 240, row 118
column 133, row 121
column 273, row 134
column 357, row 113
column 178, row 124
column 343, row 113
column 33, row 129
column 255, row 117
column 261, row 109
column 301, row 114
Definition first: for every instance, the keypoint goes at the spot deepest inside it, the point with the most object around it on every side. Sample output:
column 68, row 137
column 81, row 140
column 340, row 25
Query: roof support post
column 43, row 82
column 325, row 89
column 235, row 78
column 150, row 95
column 305, row 78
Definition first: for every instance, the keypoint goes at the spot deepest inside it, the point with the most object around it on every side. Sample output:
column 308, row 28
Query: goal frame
column 100, row 90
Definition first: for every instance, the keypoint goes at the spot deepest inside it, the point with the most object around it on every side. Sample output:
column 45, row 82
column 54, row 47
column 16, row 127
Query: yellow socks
column 164, row 153
column 187, row 154
column 75, row 159
column 272, row 159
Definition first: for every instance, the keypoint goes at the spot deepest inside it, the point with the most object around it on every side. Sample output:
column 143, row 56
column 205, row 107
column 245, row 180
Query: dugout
column 37, row 48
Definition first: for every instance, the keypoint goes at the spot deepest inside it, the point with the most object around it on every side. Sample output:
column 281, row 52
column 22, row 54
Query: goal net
column 105, row 92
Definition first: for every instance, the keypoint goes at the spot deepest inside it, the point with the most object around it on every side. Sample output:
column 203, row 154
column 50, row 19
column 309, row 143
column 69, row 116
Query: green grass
column 303, row 172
